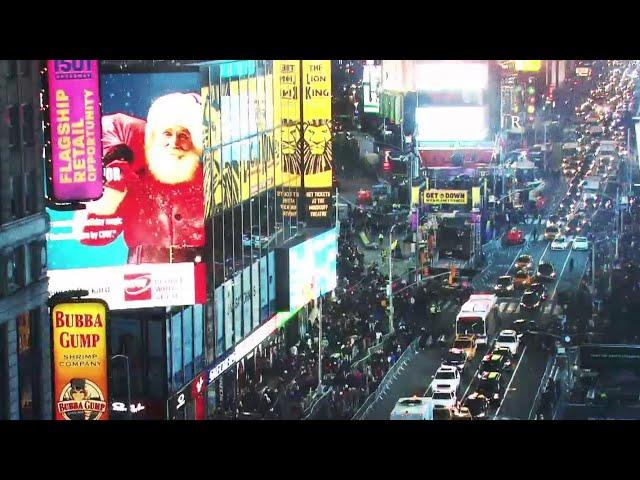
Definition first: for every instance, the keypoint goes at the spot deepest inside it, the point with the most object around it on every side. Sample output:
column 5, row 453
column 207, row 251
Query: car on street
column 491, row 363
column 508, row 339
column 440, row 412
column 545, row 272
column 552, row 220
column 522, row 279
column 530, row 301
column 504, row 286
column 580, row 243
column 539, row 288
column 524, row 262
column 446, row 377
column 560, row 243
column 467, row 343
column 477, row 404
column 510, row 359
column 573, row 226
column 445, row 397
column 515, row 236
column 490, row 385
column 364, row 196
column 551, row 232
column 455, row 357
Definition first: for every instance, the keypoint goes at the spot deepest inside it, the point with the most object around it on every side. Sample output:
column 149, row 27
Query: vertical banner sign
column 288, row 131
column 76, row 149
column 317, row 146
column 475, row 197
column 79, row 337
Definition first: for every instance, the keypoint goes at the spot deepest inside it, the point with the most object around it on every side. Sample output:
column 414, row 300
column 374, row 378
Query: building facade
column 262, row 132
column 25, row 360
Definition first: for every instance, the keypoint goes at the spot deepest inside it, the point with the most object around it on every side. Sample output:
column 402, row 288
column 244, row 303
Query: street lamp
column 126, row 359
column 391, row 280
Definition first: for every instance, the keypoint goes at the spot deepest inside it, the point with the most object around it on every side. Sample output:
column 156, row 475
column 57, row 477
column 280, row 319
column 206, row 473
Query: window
column 155, row 375
column 17, row 196
column 25, row 67
column 198, row 332
column 187, row 342
column 9, row 262
column 20, row 270
column 26, row 325
column 12, row 68
column 4, row 374
column 14, row 126
column 28, row 127
column 177, row 373
column 37, row 260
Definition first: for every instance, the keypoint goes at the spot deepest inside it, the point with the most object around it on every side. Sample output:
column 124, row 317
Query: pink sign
column 76, row 148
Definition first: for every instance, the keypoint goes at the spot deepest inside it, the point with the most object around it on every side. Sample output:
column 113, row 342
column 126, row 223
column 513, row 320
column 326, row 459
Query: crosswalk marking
column 513, row 306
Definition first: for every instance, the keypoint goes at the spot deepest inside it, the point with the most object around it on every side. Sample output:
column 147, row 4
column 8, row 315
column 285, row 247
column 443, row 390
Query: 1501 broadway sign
column 79, row 339
column 438, row 197
column 76, row 149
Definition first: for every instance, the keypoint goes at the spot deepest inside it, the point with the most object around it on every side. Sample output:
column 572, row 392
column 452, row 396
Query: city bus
column 477, row 317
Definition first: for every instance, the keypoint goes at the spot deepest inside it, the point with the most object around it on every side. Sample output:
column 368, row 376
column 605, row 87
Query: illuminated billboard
column 440, row 197
column 76, row 153
column 79, row 343
column 288, row 133
column 141, row 243
column 438, row 124
column 317, row 152
column 312, row 268
column 451, row 75
column 372, row 85
column 528, row 65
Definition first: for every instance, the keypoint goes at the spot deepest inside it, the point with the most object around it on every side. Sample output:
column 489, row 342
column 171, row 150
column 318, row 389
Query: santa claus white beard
column 172, row 166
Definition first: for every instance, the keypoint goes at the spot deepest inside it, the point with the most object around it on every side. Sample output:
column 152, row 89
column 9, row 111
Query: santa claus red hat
column 183, row 109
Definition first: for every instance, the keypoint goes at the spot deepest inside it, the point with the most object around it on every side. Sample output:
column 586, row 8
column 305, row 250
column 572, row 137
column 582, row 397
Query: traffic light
column 530, row 100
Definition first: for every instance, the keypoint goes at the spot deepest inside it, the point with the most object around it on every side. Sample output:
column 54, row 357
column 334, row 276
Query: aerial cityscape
column 319, row 240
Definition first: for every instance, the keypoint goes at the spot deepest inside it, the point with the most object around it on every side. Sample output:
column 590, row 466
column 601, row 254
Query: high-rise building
column 25, row 361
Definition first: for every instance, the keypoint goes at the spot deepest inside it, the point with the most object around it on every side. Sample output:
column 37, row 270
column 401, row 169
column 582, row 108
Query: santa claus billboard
column 141, row 243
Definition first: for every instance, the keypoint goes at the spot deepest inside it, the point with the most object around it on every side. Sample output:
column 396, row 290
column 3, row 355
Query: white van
column 413, row 408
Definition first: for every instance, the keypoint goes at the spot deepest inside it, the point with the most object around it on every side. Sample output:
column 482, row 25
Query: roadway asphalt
column 524, row 382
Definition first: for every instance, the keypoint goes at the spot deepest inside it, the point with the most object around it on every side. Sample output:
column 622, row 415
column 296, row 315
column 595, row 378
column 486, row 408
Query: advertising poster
column 143, row 239
column 312, row 269
column 76, row 150
column 317, row 151
column 228, row 314
column 79, row 340
column 475, row 197
column 255, row 292
column 288, row 133
column 439, row 197
column 237, row 306
column 246, row 299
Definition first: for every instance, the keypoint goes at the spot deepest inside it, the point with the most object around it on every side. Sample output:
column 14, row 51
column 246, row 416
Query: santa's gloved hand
column 117, row 168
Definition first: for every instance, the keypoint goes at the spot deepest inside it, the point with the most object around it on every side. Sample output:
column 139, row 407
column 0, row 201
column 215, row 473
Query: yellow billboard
column 439, row 197
column 79, row 342
column 317, row 152
column 287, row 128
column 528, row 65
column 475, row 197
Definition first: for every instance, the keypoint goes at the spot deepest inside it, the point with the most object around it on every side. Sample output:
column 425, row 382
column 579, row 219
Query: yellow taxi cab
column 466, row 343
column 522, row 279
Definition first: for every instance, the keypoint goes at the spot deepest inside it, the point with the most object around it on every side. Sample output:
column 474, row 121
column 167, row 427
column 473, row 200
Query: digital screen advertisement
column 144, row 238
column 317, row 146
column 433, row 76
column 76, row 153
column 79, row 343
column 437, row 124
column 312, row 269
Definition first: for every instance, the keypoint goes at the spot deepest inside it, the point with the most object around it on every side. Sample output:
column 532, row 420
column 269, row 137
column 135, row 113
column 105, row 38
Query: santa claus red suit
column 153, row 182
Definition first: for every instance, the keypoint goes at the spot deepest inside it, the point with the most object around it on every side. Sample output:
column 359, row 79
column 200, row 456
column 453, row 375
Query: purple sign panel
column 76, row 149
